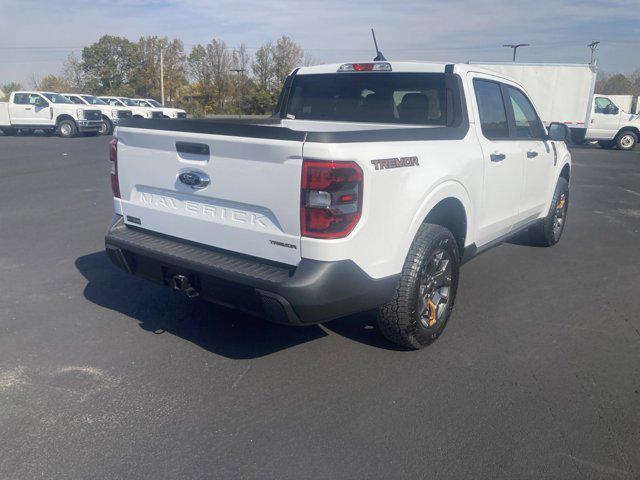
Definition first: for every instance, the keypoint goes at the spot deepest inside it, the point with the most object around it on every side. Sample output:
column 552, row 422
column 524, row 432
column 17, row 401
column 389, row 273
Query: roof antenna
column 379, row 55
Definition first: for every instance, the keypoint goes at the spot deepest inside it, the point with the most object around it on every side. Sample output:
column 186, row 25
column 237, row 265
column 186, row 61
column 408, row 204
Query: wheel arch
column 566, row 172
column 64, row 116
column 629, row 128
column 447, row 205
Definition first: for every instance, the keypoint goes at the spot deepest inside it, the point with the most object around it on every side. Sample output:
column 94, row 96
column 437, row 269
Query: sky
column 36, row 36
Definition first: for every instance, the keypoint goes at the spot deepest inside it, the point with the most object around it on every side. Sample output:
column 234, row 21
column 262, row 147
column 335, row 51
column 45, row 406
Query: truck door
column 537, row 156
column 605, row 119
column 29, row 109
column 502, row 158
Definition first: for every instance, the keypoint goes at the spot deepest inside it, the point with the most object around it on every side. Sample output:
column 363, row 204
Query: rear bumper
column 311, row 292
column 89, row 125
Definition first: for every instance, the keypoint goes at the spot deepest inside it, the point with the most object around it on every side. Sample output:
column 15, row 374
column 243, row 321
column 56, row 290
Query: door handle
column 532, row 154
column 28, row 108
column 498, row 157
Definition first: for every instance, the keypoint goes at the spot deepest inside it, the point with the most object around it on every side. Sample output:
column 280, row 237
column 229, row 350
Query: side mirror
column 42, row 103
column 611, row 110
column 558, row 132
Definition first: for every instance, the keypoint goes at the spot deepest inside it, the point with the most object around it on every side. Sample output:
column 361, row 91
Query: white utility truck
column 167, row 112
column 48, row 111
column 368, row 189
column 138, row 111
column 564, row 93
column 110, row 115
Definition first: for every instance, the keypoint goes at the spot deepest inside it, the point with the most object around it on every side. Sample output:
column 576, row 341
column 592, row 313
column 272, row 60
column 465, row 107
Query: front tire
column 67, row 129
column 423, row 301
column 626, row 140
column 548, row 232
column 106, row 128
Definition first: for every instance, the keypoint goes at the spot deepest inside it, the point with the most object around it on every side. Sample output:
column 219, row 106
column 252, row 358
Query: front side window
column 604, row 106
column 154, row 103
column 94, row 100
column 75, row 100
column 399, row 98
column 128, row 102
column 57, row 98
column 37, row 100
column 528, row 124
column 493, row 116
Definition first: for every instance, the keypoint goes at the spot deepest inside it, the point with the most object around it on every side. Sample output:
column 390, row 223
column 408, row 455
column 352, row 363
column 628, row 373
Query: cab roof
column 406, row 66
column 409, row 67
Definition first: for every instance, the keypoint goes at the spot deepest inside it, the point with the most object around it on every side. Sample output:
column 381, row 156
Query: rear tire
column 67, row 129
column 549, row 231
column 423, row 301
column 626, row 140
column 606, row 143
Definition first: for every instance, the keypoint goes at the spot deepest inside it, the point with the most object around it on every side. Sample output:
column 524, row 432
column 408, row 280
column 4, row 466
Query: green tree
column 53, row 83
column 263, row 67
column 287, row 55
column 199, row 71
column 618, row 84
column 110, row 65
column 148, row 74
column 73, row 73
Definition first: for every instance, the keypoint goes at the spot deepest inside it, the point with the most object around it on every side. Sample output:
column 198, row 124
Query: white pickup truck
column 167, row 112
column 138, row 111
column 48, row 111
column 368, row 189
column 110, row 115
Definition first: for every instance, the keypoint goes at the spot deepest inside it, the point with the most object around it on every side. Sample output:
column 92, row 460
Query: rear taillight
column 331, row 198
column 113, row 158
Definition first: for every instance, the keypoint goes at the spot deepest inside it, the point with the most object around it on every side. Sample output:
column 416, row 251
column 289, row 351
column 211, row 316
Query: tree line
column 618, row 84
column 211, row 78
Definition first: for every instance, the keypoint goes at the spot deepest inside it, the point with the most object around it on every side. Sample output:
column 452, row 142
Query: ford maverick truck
column 368, row 189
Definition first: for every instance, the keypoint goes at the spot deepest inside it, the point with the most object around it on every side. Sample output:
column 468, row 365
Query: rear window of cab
column 372, row 97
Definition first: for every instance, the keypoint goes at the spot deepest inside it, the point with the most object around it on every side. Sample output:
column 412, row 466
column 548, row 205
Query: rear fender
column 442, row 191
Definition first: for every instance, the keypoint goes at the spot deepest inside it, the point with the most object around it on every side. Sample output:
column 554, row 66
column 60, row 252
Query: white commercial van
column 564, row 93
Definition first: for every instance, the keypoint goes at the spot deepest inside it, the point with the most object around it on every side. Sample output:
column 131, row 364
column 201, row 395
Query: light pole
column 239, row 71
column 594, row 47
column 515, row 48
column 162, row 76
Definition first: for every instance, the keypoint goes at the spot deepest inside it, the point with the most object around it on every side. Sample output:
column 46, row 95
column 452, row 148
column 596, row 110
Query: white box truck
column 564, row 93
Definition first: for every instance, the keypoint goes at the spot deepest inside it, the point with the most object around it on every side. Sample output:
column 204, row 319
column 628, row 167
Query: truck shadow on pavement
column 220, row 330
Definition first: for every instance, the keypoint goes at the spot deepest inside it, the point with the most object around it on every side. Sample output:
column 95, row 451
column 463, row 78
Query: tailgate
column 251, row 205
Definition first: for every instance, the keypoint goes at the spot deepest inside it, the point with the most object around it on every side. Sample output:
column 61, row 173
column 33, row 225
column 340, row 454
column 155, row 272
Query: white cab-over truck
column 138, row 111
column 47, row 111
column 564, row 93
column 367, row 190
column 110, row 115
column 167, row 112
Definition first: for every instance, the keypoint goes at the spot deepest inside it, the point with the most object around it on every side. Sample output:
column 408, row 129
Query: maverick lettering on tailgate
column 384, row 163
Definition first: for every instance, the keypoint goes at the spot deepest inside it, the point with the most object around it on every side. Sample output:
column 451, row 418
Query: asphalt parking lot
column 103, row 375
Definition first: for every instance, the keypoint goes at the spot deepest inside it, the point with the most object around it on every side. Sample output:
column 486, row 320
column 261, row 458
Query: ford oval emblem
column 194, row 179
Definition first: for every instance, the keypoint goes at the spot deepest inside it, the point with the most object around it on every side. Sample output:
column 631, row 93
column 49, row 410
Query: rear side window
column 528, row 124
column 493, row 116
column 405, row 98
column 21, row 99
